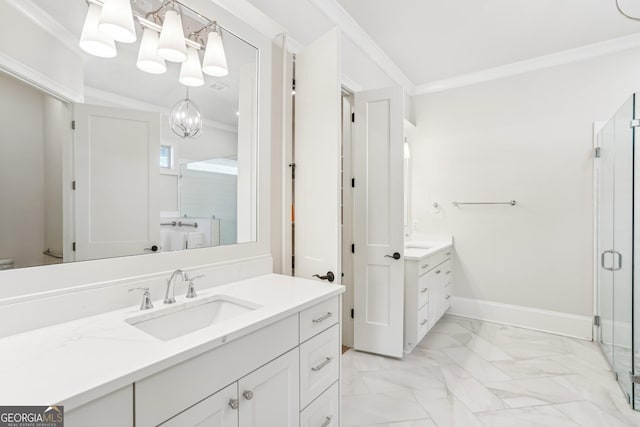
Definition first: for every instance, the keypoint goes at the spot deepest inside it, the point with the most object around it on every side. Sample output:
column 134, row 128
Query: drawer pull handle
column 326, row 423
column 423, row 322
column 323, row 318
column 425, row 265
column 423, row 290
column 248, row 394
column 234, row 403
column 322, row 365
column 448, row 296
column 438, row 271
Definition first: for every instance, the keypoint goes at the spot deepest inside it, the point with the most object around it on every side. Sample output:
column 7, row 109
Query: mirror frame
column 30, row 283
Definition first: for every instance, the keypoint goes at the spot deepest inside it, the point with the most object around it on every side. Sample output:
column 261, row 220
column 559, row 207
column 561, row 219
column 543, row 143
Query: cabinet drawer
column 316, row 319
column 319, row 364
column 324, row 411
column 215, row 411
column 447, row 271
column 423, row 289
column 424, row 265
column 423, row 320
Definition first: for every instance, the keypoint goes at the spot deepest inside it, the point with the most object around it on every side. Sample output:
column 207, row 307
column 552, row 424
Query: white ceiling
column 437, row 39
column 431, row 40
column 121, row 77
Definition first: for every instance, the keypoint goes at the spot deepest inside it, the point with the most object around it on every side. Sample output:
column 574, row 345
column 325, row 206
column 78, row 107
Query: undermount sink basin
column 181, row 320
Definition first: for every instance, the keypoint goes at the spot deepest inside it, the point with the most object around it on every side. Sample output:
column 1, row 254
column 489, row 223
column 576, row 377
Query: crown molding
column 564, row 57
column 362, row 39
column 42, row 19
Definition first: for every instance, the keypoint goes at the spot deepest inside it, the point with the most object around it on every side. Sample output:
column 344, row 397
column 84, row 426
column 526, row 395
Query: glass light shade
column 185, row 120
column 116, row 21
column 215, row 60
column 191, row 71
column 148, row 59
column 92, row 40
column 171, row 45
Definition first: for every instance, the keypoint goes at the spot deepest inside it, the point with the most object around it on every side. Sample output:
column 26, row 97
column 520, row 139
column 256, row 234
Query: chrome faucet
column 171, row 287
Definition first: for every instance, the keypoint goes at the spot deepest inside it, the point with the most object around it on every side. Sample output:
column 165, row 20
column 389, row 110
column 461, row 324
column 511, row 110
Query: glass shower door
column 622, row 257
column 615, row 244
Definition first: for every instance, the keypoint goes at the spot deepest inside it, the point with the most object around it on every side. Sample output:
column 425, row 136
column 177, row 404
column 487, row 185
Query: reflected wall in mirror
column 122, row 182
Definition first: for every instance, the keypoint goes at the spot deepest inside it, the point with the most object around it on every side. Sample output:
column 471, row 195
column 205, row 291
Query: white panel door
column 214, row 411
column 378, row 221
column 116, row 157
column 317, row 159
column 270, row 396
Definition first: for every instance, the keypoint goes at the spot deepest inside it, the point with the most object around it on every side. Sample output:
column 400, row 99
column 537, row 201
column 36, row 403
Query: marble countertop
column 418, row 249
column 73, row 363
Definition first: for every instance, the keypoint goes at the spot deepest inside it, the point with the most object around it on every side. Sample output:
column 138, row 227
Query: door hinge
column 352, row 313
column 293, row 170
column 634, row 123
column 596, row 320
column 353, row 248
column 615, row 375
column 73, row 124
column 73, row 185
column 73, row 246
column 353, row 183
column 353, row 117
column 596, row 152
column 635, row 379
column 293, row 261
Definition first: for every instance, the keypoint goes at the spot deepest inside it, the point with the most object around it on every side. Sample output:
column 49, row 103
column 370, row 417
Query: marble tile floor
column 471, row 373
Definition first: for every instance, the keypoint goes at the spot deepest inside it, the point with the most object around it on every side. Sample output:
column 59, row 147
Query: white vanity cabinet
column 265, row 378
column 427, row 293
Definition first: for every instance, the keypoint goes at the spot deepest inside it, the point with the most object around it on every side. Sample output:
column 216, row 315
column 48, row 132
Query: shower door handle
column 602, row 256
column 619, row 261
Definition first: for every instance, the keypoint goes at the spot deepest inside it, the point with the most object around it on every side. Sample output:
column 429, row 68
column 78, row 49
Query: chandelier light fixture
column 185, row 120
column 163, row 39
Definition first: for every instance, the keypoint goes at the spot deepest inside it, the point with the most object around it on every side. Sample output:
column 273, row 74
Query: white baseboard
column 555, row 322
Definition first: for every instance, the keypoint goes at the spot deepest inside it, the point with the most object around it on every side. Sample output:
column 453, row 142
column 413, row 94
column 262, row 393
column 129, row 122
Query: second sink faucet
column 169, row 295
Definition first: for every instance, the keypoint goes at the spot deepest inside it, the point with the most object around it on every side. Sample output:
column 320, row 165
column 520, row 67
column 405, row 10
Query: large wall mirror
column 158, row 161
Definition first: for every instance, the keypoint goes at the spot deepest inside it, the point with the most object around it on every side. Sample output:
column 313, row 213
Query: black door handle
column 329, row 276
column 153, row 248
column 396, row 255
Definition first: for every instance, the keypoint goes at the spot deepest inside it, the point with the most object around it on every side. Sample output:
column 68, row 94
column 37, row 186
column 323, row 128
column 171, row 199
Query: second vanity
column 272, row 359
column 427, row 287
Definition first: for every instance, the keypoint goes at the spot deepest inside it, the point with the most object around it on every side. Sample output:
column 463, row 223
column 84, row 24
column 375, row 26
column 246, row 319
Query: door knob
column 234, row 403
column 329, row 276
column 153, row 248
column 248, row 394
column 396, row 255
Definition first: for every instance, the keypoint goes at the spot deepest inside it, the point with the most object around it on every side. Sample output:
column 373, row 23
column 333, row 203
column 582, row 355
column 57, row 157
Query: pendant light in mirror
column 185, row 119
column 92, row 40
column 116, row 21
column 171, row 45
column 215, row 60
column 148, row 58
column 191, row 70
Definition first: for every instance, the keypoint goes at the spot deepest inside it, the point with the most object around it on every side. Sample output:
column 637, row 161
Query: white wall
column 359, row 68
column 21, row 173
column 57, row 133
column 528, row 138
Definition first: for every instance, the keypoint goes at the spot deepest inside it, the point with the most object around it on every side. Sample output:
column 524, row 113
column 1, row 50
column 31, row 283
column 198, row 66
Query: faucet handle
column 191, row 290
column 146, row 303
